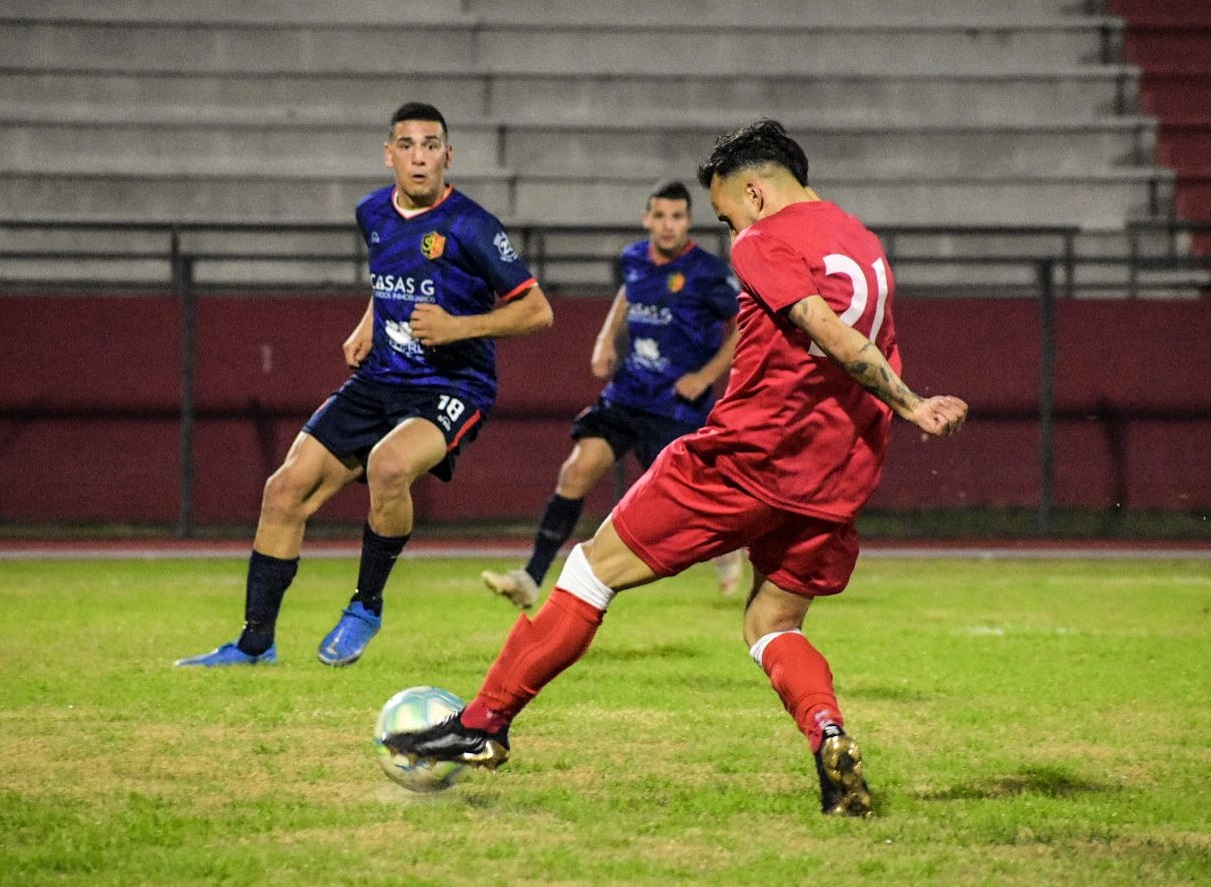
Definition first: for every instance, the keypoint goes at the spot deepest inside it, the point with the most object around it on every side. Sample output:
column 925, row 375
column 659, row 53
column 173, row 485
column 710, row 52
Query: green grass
column 1024, row 723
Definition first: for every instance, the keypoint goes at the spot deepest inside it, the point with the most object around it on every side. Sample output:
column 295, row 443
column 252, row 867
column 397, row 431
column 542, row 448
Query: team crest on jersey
column 432, row 245
column 676, row 282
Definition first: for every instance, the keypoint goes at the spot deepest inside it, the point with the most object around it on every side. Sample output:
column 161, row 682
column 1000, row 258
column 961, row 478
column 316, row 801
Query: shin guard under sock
column 534, row 653
column 556, row 527
column 378, row 558
column 268, row 579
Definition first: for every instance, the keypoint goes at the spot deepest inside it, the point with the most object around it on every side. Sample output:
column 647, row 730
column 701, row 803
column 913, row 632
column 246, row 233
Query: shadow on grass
column 651, row 651
column 886, row 693
column 1051, row 782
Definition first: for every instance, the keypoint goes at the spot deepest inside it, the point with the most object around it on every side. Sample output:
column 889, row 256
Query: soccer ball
column 408, row 711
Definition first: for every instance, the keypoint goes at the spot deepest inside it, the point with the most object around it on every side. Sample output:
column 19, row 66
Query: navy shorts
column 362, row 413
column 625, row 429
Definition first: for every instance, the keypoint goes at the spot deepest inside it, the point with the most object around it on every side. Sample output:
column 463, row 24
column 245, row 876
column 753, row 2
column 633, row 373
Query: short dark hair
column 762, row 141
column 670, row 189
column 418, row 111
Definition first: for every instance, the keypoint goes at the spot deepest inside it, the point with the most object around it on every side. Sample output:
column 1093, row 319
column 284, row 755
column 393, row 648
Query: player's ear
column 449, row 156
column 754, row 193
column 387, row 160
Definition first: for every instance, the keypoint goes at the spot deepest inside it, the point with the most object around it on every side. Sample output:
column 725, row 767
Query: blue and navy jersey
column 455, row 254
column 677, row 315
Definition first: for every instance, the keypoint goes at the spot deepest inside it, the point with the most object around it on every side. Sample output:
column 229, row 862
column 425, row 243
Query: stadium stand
column 980, row 139
column 925, row 113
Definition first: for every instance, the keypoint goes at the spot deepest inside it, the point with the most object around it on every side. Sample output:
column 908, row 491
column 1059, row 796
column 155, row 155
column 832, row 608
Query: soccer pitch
column 1024, row 722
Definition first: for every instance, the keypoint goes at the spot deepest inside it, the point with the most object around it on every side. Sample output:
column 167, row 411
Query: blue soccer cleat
column 346, row 643
column 230, row 654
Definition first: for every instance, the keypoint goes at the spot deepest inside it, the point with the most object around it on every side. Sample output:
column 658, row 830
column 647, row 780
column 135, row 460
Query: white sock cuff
column 757, row 650
column 577, row 578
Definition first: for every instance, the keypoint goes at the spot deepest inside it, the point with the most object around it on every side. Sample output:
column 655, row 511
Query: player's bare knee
column 283, row 495
column 572, row 485
column 575, row 478
column 390, row 477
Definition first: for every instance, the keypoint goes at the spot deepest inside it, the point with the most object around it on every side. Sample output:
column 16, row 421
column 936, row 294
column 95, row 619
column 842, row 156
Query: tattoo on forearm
column 874, row 374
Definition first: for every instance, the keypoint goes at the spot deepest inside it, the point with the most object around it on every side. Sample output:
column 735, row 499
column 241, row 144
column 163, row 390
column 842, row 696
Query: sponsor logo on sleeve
column 507, row 253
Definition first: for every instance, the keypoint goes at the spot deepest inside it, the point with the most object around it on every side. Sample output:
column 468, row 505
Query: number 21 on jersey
column 837, row 264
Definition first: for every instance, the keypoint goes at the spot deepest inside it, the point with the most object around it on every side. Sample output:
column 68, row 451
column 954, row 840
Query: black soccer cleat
column 449, row 740
column 843, row 790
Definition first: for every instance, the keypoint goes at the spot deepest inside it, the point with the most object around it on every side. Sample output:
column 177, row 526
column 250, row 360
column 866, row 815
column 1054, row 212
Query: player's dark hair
column 670, row 189
column 418, row 111
column 762, row 141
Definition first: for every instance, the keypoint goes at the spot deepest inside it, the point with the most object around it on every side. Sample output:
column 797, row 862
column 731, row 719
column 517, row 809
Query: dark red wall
column 90, row 396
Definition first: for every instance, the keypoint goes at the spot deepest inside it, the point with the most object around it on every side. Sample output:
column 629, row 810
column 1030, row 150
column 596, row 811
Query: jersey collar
column 658, row 259
column 414, row 214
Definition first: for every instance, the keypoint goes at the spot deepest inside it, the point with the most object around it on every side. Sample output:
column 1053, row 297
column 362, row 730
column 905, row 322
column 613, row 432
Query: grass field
column 1024, row 723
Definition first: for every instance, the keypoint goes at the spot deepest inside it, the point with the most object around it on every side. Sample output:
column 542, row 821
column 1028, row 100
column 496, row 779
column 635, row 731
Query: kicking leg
column 535, row 652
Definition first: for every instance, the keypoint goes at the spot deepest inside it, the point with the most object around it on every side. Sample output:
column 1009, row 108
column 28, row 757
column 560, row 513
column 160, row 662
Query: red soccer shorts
column 683, row 512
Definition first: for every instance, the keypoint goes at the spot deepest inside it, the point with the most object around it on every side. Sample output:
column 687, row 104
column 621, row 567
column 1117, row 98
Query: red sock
column 534, row 653
column 801, row 677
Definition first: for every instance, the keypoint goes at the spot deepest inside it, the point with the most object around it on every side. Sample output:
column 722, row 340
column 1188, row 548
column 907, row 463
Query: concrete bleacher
column 1014, row 112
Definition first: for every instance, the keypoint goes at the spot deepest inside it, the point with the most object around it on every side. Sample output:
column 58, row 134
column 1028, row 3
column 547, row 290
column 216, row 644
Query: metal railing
column 1177, row 248
column 333, row 256
column 54, row 244
column 239, row 249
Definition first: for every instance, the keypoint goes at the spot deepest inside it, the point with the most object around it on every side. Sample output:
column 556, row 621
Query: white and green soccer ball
column 409, row 711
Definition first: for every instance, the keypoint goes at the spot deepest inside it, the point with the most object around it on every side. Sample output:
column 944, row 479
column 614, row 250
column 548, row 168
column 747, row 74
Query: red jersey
column 794, row 429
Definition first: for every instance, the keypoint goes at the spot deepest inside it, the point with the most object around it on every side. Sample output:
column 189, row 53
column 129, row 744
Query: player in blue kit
column 671, row 322
column 446, row 281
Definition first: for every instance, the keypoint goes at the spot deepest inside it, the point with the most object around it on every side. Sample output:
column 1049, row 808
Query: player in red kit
column 787, row 458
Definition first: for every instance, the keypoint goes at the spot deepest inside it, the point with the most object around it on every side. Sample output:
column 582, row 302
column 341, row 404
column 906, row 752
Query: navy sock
column 555, row 528
column 268, row 579
column 378, row 557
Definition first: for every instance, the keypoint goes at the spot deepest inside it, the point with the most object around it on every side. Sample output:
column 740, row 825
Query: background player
column 672, row 323
column 424, row 379
column 789, row 455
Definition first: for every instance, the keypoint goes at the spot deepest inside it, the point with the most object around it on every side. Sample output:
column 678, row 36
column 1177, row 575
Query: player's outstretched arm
column 937, row 416
column 361, row 340
column 432, row 325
